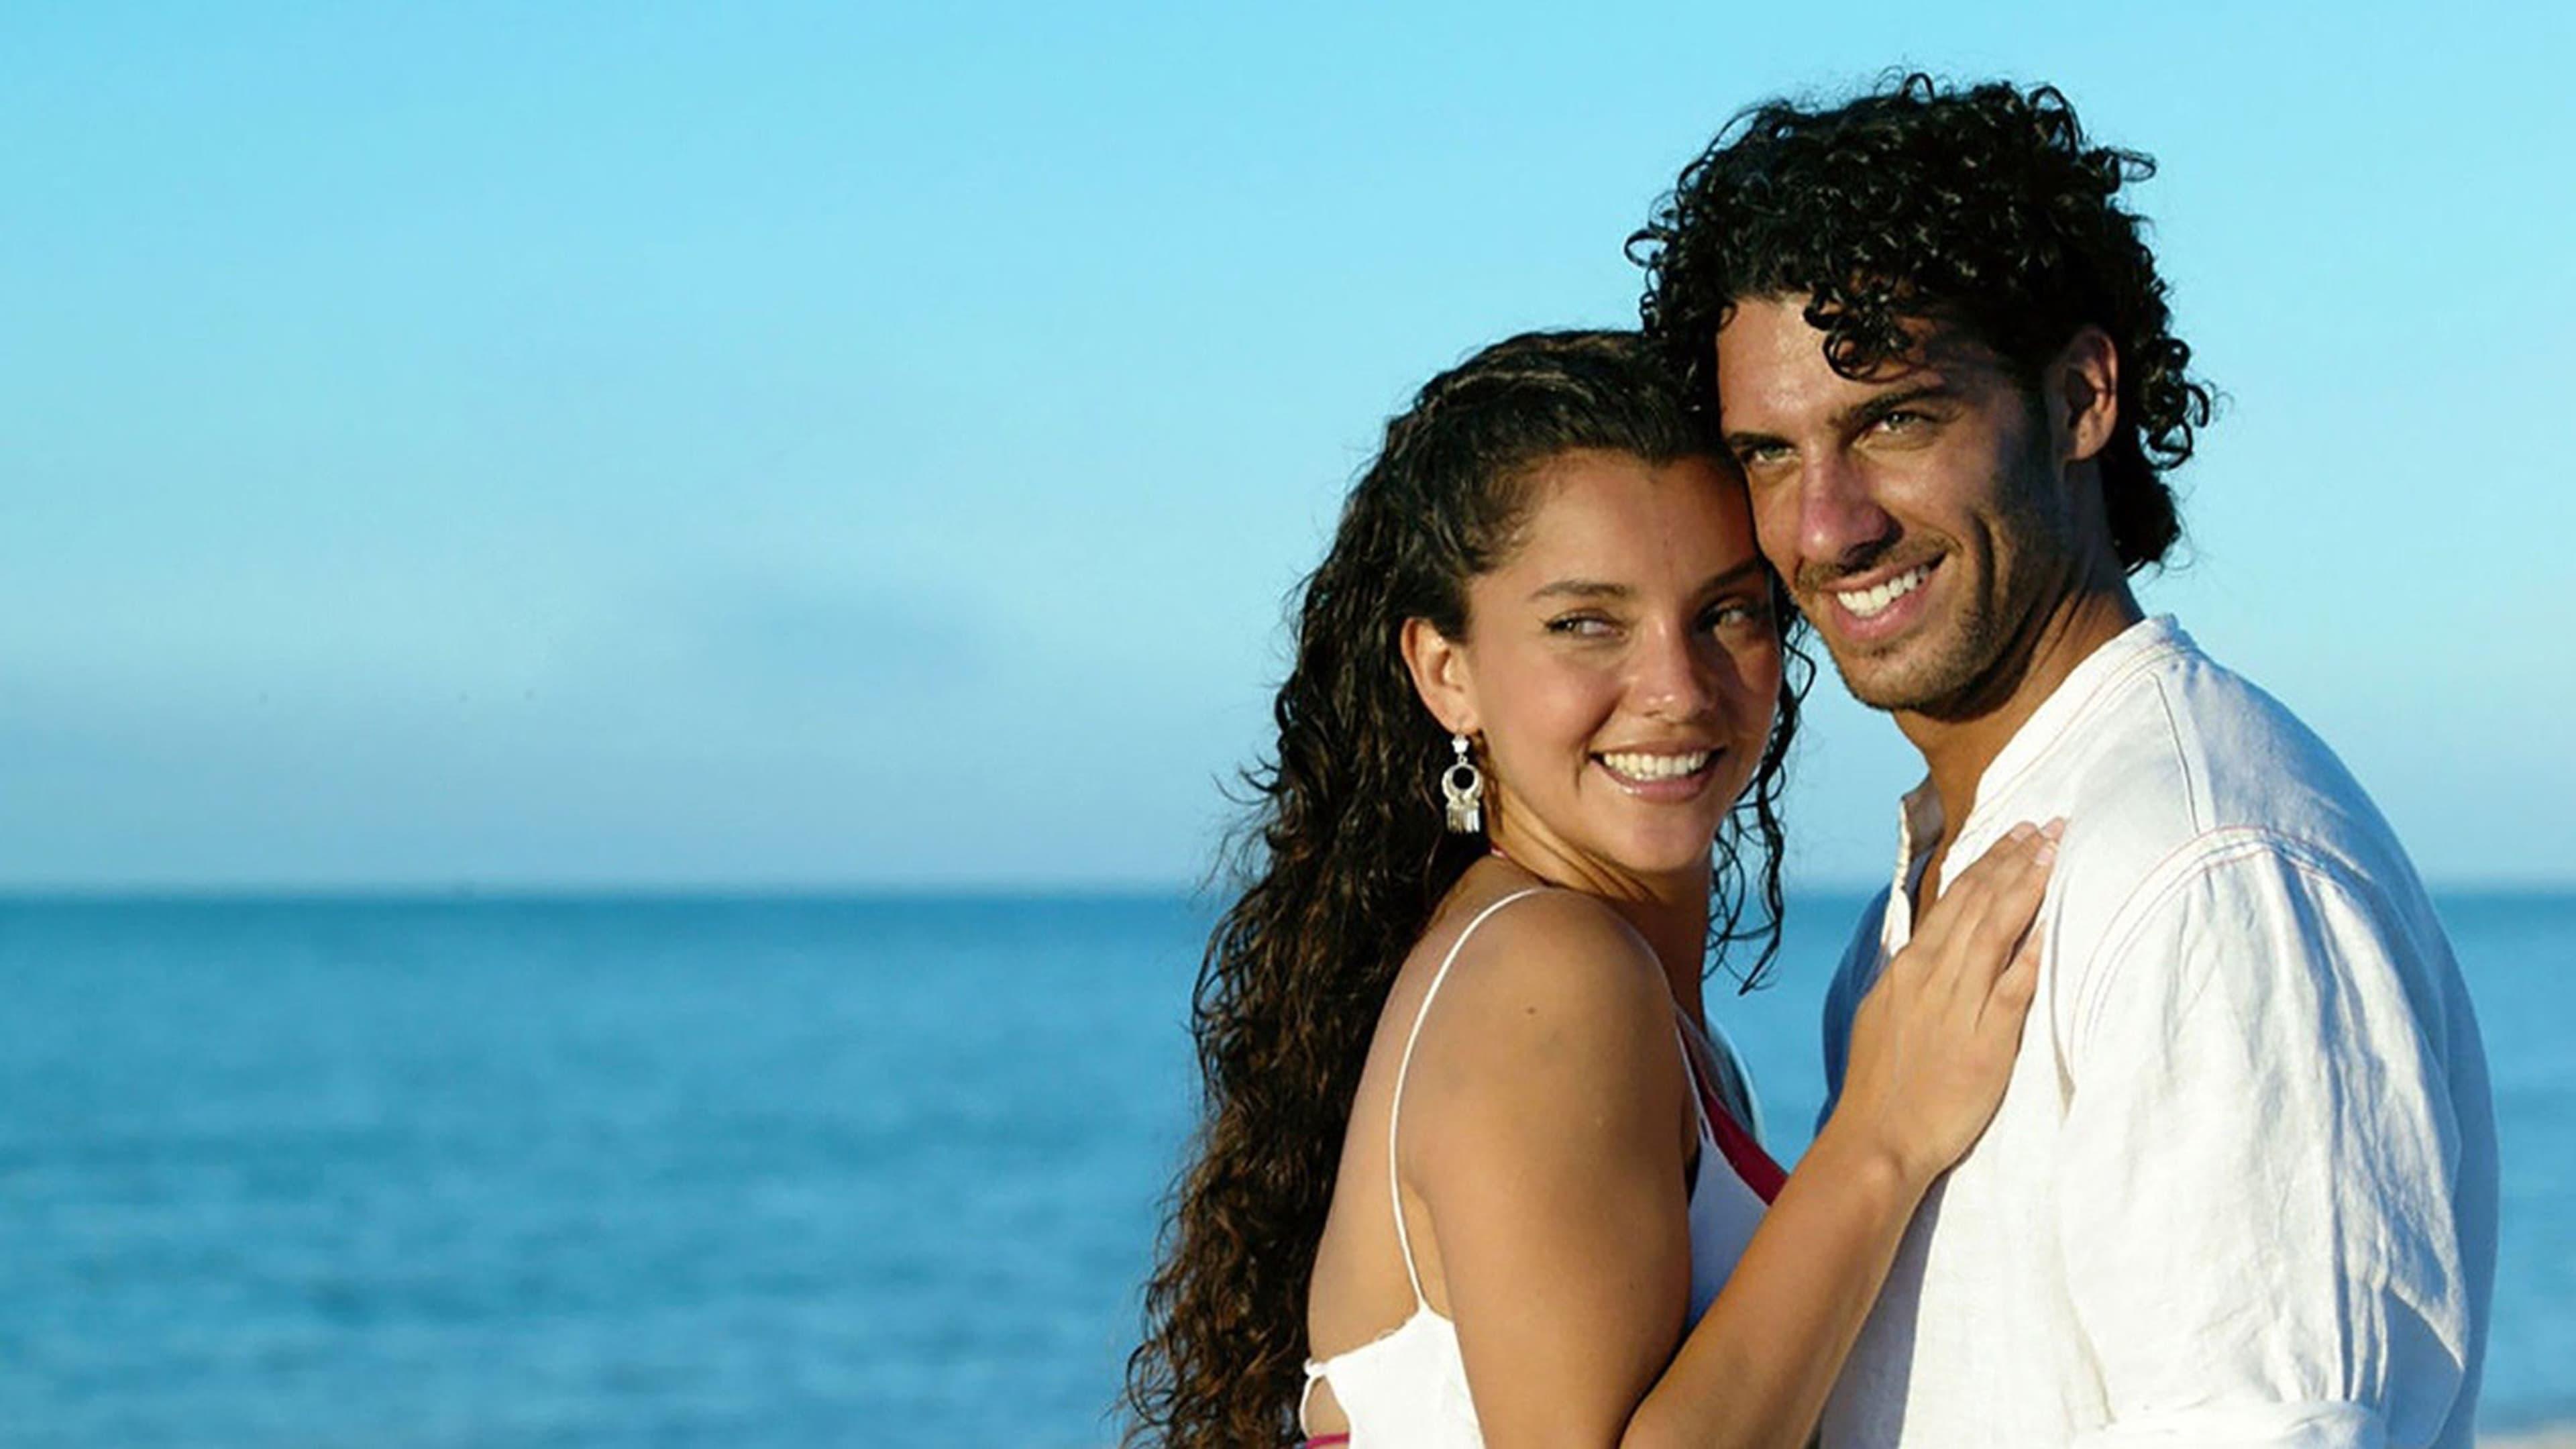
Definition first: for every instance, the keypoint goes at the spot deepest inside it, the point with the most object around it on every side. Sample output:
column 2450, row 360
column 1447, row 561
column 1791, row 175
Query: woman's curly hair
column 1983, row 208
column 1345, row 858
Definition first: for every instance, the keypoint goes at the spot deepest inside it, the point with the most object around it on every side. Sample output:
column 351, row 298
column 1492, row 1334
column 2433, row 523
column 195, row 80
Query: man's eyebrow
column 1870, row 409
column 1852, row 419
column 1581, row 589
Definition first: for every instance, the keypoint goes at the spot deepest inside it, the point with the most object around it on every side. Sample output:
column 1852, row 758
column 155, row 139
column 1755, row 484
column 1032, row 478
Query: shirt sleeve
column 1852, row 980
column 2259, row 1166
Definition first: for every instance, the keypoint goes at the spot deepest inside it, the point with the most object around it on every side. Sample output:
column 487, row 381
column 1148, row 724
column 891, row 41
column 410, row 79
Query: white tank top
column 1408, row 1386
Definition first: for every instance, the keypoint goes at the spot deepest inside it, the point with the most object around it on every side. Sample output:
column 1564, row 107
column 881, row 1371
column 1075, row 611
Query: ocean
column 783, row 1172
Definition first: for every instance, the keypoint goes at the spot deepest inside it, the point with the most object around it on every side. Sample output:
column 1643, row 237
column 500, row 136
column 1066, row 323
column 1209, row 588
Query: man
column 2242, row 1188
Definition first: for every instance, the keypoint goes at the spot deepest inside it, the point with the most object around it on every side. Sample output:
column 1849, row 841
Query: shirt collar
column 2067, row 705
column 1919, row 821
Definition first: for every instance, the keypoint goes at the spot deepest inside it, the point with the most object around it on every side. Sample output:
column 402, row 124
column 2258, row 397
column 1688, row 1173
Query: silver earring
column 1463, row 786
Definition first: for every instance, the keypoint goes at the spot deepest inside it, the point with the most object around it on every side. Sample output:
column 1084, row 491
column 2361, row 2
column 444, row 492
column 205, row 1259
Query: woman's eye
column 1580, row 626
column 1736, row 613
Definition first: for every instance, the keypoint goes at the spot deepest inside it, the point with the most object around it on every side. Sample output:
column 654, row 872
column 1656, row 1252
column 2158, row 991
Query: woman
column 1465, row 1177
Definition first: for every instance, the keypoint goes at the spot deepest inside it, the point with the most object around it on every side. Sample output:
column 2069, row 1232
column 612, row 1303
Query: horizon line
column 502, row 892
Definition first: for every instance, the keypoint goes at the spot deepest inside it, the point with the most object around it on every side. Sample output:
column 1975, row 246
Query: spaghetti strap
column 1719, row 1125
column 1404, row 1064
column 1700, row 1094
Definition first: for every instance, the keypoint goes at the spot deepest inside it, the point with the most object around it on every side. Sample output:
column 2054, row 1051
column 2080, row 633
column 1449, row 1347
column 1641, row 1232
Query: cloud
column 766, row 653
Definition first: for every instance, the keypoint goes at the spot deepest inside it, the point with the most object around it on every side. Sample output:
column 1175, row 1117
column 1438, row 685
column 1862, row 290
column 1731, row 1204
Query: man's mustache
column 1891, row 556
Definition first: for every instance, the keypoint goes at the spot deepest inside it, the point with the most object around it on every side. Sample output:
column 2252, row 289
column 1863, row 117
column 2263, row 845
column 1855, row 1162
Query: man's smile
column 1876, row 605
column 1870, row 602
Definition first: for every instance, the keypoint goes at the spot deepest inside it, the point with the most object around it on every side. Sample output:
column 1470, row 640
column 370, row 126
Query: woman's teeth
column 1866, row 602
column 1655, row 767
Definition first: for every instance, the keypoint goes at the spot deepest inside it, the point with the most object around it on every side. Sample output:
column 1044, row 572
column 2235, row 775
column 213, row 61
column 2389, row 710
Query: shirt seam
column 1995, row 795
column 2181, row 758
column 2151, row 655
column 2187, row 864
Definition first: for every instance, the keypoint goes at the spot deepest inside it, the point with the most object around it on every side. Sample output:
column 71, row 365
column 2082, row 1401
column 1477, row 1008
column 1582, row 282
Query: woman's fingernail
column 2054, row 828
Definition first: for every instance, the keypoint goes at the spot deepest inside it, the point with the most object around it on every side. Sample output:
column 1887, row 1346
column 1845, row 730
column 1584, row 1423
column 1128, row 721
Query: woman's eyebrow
column 1726, row 578
column 1582, row 589
column 1601, row 589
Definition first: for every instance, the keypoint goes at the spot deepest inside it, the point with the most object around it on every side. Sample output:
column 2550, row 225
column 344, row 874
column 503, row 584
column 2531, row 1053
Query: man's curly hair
column 1981, row 208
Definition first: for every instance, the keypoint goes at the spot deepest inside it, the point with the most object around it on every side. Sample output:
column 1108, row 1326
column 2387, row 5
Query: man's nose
column 1839, row 520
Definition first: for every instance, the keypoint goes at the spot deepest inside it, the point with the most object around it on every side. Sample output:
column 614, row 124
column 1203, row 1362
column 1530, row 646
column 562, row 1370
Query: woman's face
column 1621, row 667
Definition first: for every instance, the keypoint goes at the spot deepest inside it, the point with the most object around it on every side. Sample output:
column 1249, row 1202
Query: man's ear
column 1440, row 675
column 2083, row 395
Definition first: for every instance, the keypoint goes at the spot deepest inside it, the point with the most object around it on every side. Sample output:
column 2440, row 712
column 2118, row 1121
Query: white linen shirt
column 2242, row 1186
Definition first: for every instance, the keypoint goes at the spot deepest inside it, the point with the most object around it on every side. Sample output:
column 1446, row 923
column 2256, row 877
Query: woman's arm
column 1552, row 1177
column 1931, row 1049
column 1545, row 1134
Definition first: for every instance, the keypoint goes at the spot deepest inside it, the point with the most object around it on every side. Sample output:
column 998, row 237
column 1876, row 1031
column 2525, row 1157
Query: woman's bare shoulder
column 1556, row 988
column 1557, row 940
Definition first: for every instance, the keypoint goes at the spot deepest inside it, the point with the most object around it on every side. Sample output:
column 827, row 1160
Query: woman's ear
column 1440, row 675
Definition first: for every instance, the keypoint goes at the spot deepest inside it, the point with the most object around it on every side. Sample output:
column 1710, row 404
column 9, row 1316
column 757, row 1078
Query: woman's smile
column 1661, row 777
column 1619, row 669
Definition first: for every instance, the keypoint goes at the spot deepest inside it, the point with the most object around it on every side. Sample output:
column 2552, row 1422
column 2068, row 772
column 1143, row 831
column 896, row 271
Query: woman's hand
column 1933, row 1043
column 1931, row 1048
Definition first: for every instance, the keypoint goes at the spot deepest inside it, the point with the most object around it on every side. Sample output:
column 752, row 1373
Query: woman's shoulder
column 1552, row 935
column 1550, row 1048
column 1553, row 973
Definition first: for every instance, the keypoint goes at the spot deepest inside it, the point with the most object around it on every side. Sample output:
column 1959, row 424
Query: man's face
column 1918, row 513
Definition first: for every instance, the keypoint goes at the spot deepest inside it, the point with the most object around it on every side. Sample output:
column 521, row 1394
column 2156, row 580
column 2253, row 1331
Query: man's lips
column 1867, row 597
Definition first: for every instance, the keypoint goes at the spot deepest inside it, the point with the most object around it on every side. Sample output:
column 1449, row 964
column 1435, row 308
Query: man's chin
column 1907, row 676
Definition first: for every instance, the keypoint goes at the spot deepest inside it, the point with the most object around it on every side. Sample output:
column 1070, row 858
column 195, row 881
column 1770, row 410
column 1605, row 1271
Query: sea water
column 788, row 1172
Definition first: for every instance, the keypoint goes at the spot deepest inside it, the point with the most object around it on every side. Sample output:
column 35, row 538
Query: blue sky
column 797, row 445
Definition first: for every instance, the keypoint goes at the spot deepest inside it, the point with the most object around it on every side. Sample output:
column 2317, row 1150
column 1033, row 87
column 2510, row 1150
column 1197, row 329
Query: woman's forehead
column 1623, row 519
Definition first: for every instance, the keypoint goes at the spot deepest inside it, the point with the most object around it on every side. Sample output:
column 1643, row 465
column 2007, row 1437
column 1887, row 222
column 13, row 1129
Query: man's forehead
column 1769, row 356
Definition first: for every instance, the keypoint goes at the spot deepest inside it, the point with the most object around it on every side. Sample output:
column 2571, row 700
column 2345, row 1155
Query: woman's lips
column 1660, row 775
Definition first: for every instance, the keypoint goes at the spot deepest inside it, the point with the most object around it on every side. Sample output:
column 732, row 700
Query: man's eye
column 1901, row 420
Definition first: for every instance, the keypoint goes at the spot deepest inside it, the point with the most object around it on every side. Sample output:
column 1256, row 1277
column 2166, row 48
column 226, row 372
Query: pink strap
column 1745, row 1155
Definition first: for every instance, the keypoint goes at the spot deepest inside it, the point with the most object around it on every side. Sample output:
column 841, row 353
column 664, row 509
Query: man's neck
column 1957, row 749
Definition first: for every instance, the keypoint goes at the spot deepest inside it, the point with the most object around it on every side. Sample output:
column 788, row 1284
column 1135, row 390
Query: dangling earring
column 1463, row 786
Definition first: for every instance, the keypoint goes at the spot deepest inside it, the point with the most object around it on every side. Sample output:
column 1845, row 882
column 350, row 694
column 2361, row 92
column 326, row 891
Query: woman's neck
column 1670, row 913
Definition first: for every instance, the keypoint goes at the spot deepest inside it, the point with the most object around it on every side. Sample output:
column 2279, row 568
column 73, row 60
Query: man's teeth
column 1866, row 602
column 1655, row 767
